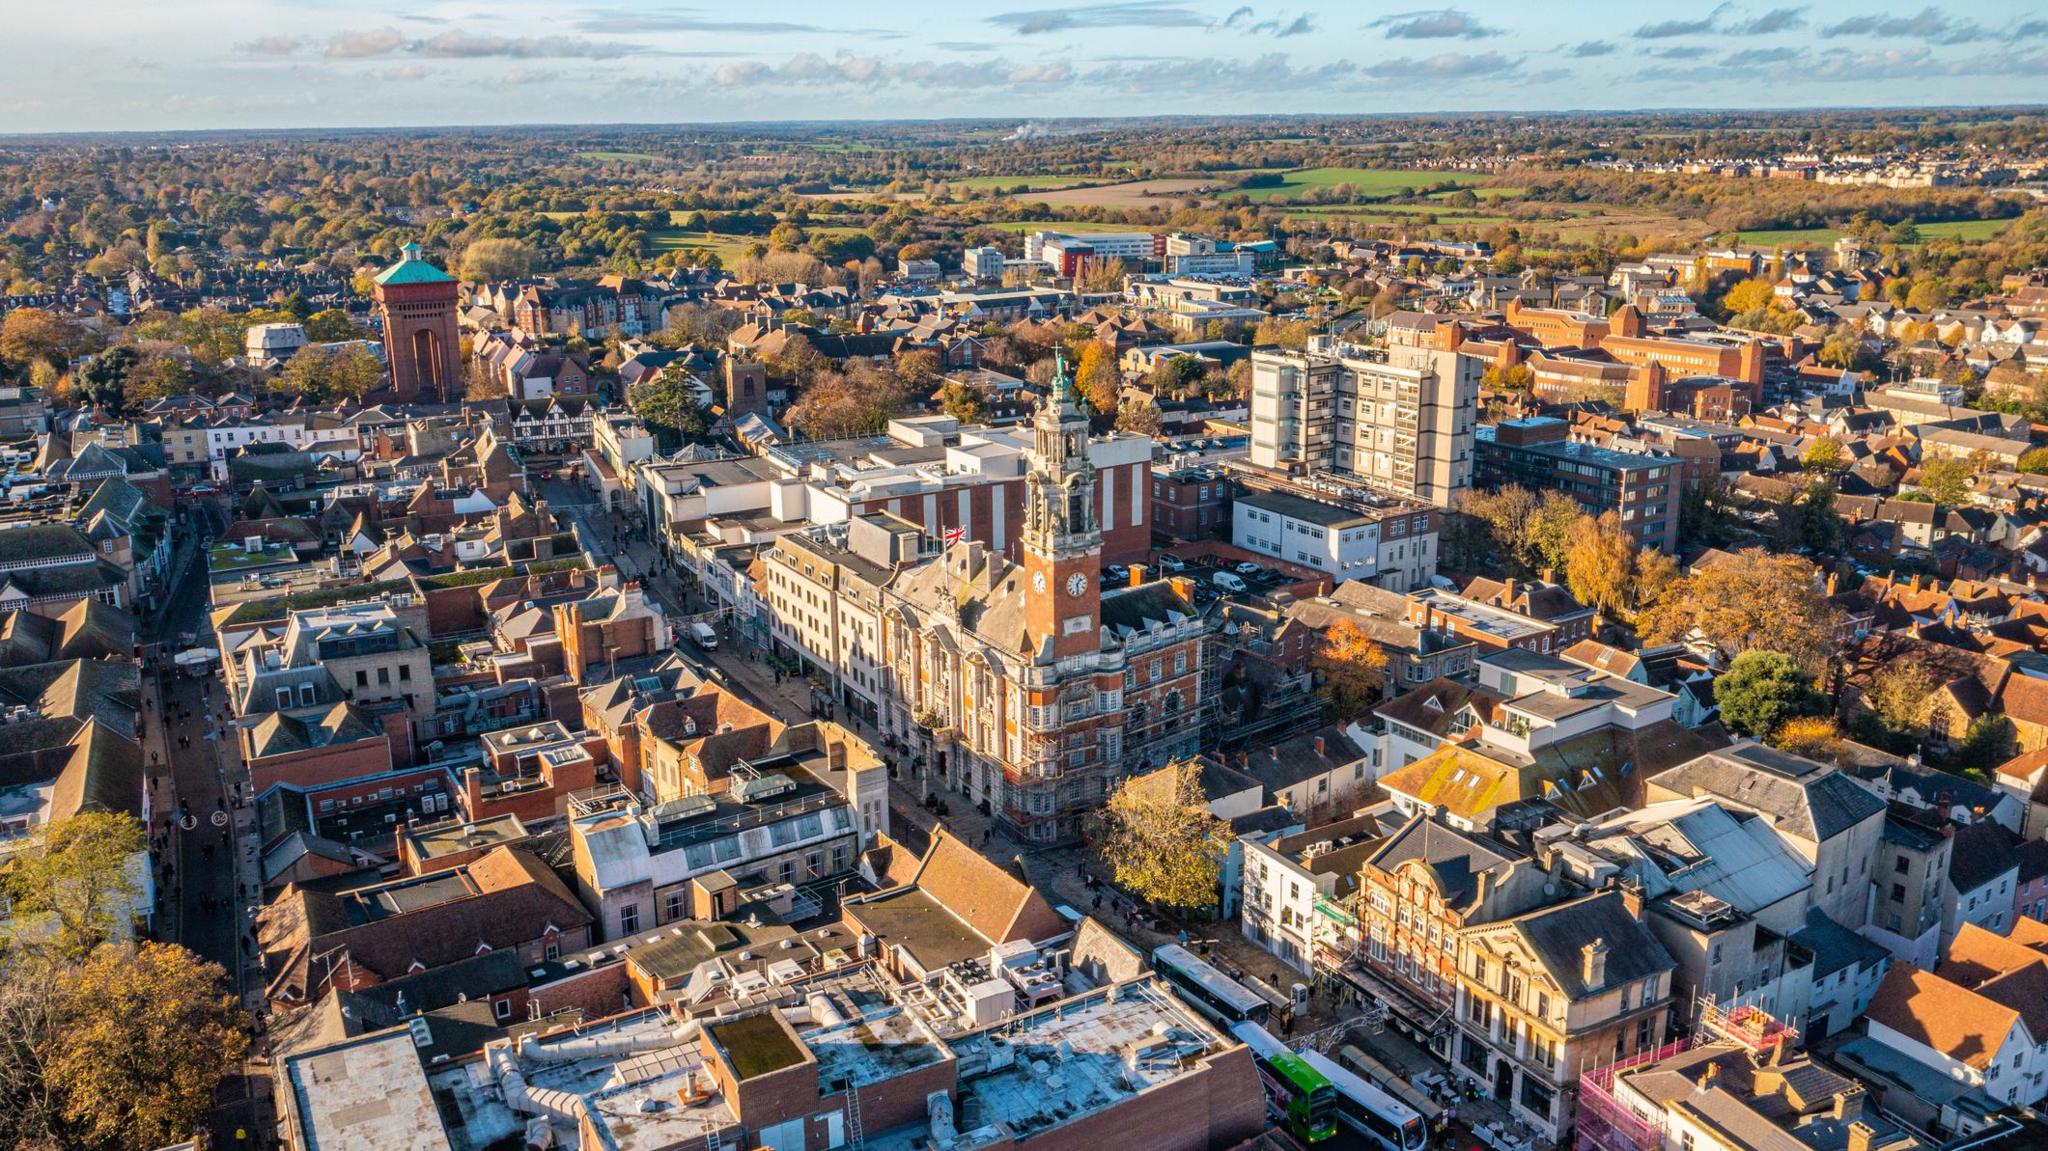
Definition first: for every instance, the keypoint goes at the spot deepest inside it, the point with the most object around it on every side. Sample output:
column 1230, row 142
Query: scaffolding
column 1605, row 1123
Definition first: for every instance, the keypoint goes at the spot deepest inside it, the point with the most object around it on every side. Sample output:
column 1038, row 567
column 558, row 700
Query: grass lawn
column 1954, row 229
column 728, row 247
column 1368, row 181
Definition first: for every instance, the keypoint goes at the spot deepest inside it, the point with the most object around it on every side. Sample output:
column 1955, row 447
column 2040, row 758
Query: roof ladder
column 855, row 1138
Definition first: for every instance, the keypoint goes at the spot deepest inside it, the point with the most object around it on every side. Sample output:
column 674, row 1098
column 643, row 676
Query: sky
column 152, row 65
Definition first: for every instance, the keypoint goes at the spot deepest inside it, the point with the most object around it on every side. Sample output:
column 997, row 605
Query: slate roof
column 1805, row 798
column 1980, row 853
column 1558, row 934
column 1457, row 859
column 1833, row 946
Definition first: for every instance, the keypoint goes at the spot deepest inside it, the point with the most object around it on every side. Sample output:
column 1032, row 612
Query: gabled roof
column 998, row 902
column 1804, row 798
column 1559, row 935
column 1943, row 1015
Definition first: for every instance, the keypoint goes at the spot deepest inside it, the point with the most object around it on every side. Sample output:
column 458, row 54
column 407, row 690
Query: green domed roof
column 413, row 268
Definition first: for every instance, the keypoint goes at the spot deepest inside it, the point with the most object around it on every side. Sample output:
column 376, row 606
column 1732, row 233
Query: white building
column 984, row 263
column 1348, row 543
column 266, row 342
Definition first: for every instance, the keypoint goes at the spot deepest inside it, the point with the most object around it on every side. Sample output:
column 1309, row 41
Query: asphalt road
column 202, row 903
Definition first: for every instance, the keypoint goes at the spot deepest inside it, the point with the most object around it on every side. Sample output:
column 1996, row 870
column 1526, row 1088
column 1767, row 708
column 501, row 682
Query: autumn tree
column 1825, row 454
column 80, row 873
column 1813, row 736
column 1946, row 480
column 1756, row 600
column 1748, row 296
column 1902, row 695
column 1160, row 841
column 1352, row 669
column 962, row 402
column 1761, row 690
column 1600, row 564
column 1282, row 333
column 353, row 372
column 331, row 326
column 1096, row 377
column 145, row 1033
column 1138, row 416
column 31, row 334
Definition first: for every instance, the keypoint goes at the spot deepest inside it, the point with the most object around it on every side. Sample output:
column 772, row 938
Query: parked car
column 1247, row 567
column 1116, row 573
column 704, row 635
column 1167, row 561
column 1228, row 581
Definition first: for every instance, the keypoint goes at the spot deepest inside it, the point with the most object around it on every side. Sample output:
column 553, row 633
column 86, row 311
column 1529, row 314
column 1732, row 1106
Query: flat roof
column 1099, row 1050
column 1307, row 510
column 371, row 1092
column 1479, row 617
column 633, row 1099
column 910, row 919
column 757, row 1044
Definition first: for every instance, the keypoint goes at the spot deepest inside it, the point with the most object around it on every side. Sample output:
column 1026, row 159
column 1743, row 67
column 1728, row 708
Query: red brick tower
column 417, row 302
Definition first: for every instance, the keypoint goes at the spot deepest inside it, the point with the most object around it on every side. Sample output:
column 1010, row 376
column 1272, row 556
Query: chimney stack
column 1319, row 747
column 1507, row 595
column 1849, row 1104
column 1137, row 575
column 1861, row 1136
column 1593, row 969
column 1632, row 898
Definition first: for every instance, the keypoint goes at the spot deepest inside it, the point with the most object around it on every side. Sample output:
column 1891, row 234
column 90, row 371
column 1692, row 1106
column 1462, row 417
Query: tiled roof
column 997, row 902
column 1944, row 1015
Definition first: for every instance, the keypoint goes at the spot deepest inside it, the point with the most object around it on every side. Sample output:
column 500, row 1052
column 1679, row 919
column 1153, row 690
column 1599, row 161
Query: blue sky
column 171, row 64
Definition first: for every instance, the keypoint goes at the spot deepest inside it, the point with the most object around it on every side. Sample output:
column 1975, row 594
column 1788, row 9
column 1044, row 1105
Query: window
column 362, row 678
column 1898, row 893
column 629, row 919
column 384, row 675
column 1536, row 1098
column 405, row 672
column 672, row 906
column 1900, row 865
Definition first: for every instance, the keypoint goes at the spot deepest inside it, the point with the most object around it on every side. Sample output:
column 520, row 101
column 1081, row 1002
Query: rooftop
column 369, row 1093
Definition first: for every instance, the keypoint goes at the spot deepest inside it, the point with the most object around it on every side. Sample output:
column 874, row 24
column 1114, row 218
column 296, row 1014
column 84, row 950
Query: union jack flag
column 955, row 535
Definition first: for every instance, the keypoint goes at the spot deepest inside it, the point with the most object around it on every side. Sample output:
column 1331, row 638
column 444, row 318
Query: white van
column 1228, row 581
column 704, row 635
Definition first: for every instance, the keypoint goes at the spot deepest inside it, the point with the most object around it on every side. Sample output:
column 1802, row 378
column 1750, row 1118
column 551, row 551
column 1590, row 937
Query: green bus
column 1298, row 1097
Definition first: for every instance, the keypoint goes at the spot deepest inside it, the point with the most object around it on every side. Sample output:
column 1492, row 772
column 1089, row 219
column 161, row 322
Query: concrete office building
column 1399, row 418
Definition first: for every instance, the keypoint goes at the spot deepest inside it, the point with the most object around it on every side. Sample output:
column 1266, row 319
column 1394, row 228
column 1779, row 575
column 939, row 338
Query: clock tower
column 1062, row 540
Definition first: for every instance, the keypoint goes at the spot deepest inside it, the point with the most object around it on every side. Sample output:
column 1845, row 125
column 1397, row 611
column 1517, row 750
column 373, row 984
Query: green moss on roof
column 757, row 1045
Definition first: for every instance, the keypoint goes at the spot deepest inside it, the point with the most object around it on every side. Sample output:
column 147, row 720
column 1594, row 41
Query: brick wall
column 321, row 765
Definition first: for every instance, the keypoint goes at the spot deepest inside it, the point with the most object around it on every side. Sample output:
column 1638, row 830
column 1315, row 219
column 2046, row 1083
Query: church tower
column 1062, row 539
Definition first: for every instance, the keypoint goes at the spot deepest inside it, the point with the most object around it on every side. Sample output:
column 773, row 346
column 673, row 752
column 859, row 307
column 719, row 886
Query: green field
column 618, row 156
column 1823, row 237
column 1368, row 181
column 729, row 248
column 1030, row 183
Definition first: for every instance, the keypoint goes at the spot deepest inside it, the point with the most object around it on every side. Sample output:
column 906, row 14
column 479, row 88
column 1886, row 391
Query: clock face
column 1038, row 582
column 1076, row 584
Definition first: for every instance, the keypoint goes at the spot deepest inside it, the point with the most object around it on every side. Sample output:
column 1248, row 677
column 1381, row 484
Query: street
column 207, row 874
